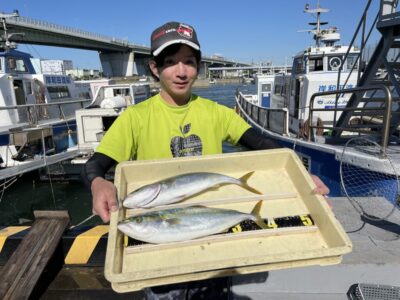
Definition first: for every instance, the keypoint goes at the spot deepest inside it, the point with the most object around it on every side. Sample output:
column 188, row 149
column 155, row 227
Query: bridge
column 249, row 70
column 118, row 57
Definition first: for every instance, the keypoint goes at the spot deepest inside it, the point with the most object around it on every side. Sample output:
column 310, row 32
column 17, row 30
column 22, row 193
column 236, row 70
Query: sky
column 251, row 31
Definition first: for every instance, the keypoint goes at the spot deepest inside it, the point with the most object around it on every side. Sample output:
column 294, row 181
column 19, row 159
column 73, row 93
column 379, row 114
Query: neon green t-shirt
column 153, row 129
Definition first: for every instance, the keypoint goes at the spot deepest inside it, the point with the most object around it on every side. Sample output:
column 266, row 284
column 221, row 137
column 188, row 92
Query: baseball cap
column 173, row 33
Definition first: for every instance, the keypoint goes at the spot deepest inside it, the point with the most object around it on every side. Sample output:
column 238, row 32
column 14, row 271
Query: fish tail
column 256, row 213
column 243, row 183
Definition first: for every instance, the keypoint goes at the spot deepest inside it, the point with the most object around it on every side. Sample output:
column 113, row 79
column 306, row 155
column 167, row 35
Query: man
column 173, row 123
column 156, row 127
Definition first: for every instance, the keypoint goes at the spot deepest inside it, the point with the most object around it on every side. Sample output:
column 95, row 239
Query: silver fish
column 177, row 188
column 187, row 223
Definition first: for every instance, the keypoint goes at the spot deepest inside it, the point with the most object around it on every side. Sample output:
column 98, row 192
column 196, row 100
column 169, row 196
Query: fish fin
column 244, row 184
column 172, row 221
column 256, row 213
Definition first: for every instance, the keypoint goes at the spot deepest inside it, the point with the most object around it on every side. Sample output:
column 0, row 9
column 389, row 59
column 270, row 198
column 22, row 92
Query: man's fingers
column 113, row 206
column 102, row 212
column 321, row 187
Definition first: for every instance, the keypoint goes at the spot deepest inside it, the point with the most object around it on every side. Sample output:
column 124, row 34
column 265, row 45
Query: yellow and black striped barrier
column 83, row 245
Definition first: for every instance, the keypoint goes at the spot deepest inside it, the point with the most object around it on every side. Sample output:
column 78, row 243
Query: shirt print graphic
column 188, row 145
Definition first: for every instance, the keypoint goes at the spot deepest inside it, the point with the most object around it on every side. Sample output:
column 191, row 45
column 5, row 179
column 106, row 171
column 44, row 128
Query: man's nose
column 181, row 69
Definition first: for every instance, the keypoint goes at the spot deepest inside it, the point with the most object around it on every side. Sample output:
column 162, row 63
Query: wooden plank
column 22, row 271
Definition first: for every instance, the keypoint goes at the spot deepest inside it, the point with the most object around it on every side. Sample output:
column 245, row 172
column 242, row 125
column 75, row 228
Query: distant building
column 55, row 66
column 83, row 73
column 217, row 56
column 94, row 73
column 62, row 67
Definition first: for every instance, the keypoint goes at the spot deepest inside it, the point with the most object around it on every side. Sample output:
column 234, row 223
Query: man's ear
column 153, row 68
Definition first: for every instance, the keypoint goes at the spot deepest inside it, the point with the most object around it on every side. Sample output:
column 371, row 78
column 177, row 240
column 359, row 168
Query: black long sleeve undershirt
column 255, row 141
column 99, row 164
column 96, row 166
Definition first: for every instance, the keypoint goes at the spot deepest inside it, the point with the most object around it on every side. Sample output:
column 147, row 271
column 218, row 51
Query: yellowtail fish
column 177, row 188
column 185, row 223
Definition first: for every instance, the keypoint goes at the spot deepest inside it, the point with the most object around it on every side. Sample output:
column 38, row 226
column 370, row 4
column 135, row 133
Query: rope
column 64, row 118
column 48, row 171
column 6, row 184
column 84, row 221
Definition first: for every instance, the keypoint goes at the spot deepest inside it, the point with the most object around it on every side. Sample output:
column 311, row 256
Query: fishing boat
column 93, row 121
column 247, row 80
column 335, row 104
column 37, row 111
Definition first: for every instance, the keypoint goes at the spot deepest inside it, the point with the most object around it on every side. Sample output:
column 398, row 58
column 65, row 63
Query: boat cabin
column 22, row 88
column 15, row 62
column 316, row 70
column 93, row 121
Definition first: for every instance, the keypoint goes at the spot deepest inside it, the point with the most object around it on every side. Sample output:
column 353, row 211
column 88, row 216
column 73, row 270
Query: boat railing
column 364, row 35
column 272, row 119
column 371, row 117
column 42, row 112
column 387, row 13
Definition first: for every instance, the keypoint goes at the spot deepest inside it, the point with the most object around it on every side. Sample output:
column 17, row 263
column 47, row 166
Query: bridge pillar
column 142, row 66
column 118, row 64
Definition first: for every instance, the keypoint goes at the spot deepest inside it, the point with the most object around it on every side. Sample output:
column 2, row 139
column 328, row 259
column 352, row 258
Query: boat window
column 58, row 92
column 16, row 64
column 286, row 92
column 298, row 65
column 334, row 63
column 266, row 87
column 296, row 99
column 122, row 92
column 84, row 95
column 277, row 89
column 293, row 87
column 28, row 88
column 351, row 61
column 316, row 64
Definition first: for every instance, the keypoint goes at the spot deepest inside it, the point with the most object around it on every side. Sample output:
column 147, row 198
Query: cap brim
column 186, row 42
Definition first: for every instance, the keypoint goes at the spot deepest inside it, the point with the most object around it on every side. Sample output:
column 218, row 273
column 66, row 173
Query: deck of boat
column 37, row 163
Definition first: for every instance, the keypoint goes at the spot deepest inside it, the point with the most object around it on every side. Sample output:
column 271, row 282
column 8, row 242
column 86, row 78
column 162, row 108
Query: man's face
column 177, row 76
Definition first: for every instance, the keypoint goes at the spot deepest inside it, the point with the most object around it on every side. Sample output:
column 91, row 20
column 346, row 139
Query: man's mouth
column 181, row 84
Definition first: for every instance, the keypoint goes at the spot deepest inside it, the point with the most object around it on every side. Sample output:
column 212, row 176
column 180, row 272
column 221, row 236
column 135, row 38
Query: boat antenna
column 317, row 29
column 6, row 44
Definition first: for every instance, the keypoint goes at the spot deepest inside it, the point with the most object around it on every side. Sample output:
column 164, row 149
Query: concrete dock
column 375, row 259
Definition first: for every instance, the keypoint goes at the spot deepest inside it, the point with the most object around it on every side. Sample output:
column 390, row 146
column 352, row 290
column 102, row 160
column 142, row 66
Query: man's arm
column 104, row 193
column 255, row 141
column 96, row 166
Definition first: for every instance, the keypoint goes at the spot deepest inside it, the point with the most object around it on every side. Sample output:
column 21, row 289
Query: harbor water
column 19, row 197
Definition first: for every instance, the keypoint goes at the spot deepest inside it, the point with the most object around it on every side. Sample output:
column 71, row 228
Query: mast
column 326, row 36
column 317, row 30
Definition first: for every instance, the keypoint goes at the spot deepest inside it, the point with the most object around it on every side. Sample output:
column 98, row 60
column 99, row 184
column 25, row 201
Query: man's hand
column 104, row 198
column 321, row 188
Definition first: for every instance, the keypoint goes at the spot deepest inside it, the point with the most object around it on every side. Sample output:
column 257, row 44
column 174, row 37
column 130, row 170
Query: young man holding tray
column 173, row 123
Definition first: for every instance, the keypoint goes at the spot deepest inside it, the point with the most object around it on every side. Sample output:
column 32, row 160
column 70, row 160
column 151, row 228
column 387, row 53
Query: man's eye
column 169, row 62
column 190, row 62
